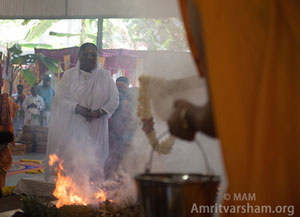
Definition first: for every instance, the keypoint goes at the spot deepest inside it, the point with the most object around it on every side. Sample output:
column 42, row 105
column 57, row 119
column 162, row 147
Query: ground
column 13, row 201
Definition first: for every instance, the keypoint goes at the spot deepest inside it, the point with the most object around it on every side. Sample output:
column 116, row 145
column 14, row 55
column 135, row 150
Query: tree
column 18, row 60
column 87, row 33
column 155, row 34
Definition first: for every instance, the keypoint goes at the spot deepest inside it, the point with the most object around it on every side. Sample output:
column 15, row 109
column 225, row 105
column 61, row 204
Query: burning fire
column 101, row 195
column 69, row 192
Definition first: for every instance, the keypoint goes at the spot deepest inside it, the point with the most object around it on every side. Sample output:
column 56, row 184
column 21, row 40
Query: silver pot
column 173, row 195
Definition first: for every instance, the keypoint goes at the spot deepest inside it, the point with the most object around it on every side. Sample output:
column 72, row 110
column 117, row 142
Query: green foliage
column 17, row 60
column 29, row 76
column 57, row 34
column 41, row 46
column 15, row 50
column 155, row 34
column 88, row 31
column 39, row 29
column 26, row 22
column 50, row 63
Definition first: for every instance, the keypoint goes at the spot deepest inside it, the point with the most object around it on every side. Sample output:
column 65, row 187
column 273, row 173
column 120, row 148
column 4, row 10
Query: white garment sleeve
column 62, row 97
column 112, row 103
column 41, row 105
column 25, row 103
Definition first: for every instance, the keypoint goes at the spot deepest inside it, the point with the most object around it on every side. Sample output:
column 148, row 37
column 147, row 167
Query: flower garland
column 7, row 190
column 144, row 113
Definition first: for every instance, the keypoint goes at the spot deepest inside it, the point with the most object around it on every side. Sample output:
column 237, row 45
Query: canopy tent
column 64, row 9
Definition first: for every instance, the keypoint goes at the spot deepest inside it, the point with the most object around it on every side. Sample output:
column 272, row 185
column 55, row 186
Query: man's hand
column 187, row 119
column 179, row 125
column 83, row 111
column 95, row 114
column 32, row 105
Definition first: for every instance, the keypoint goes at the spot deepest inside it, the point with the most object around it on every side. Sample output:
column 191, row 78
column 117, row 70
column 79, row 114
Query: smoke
column 85, row 167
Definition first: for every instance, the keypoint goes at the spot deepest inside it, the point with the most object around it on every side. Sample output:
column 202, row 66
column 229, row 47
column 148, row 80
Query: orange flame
column 67, row 191
column 52, row 159
column 101, row 195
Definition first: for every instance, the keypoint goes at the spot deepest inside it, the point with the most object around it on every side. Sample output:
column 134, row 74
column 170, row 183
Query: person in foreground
column 85, row 99
column 8, row 109
column 250, row 53
column 6, row 137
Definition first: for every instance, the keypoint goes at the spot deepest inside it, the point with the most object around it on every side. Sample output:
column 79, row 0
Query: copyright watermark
column 240, row 197
column 243, row 209
column 246, row 208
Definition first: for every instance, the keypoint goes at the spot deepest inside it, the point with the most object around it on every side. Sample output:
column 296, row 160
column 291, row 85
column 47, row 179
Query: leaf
column 57, row 34
column 15, row 49
column 31, row 45
column 38, row 30
column 29, row 76
column 28, row 58
column 25, row 22
column 50, row 63
column 17, row 60
column 93, row 38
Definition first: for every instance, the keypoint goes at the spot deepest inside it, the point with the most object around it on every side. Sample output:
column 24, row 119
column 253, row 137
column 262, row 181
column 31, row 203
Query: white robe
column 81, row 144
column 32, row 114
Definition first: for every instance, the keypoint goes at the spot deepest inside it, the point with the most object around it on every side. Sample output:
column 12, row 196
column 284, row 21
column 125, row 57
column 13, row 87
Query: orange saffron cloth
column 8, row 111
column 252, row 61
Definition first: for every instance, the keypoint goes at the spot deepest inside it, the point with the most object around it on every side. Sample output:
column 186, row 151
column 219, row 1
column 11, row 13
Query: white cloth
column 32, row 115
column 81, row 144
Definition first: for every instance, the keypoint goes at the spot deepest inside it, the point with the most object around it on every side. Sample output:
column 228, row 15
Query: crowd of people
column 87, row 98
column 34, row 109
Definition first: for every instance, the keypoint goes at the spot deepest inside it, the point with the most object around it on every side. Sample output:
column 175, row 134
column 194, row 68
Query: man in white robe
column 85, row 99
column 33, row 105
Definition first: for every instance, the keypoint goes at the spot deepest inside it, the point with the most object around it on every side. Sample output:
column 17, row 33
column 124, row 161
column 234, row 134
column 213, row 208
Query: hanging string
column 149, row 163
column 208, row 169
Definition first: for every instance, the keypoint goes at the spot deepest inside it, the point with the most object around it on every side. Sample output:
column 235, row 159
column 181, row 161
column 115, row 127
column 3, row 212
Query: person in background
column 250, row 53
column 47, row 93
column 33, row 105
column 19, row 118
column 6, row 137
column 132, row 96
column 123, row 79
column 120, row 130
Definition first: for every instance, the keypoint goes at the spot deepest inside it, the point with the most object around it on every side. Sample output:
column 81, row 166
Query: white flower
column 144, row 113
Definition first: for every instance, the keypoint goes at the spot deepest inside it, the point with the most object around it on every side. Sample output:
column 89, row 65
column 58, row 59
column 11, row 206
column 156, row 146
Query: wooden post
column 101, row 60
column 67, row 62
column 37, row 69
column 58, row 73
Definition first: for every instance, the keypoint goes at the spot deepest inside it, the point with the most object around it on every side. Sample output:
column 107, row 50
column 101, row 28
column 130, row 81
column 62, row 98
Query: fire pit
column 32, row 207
